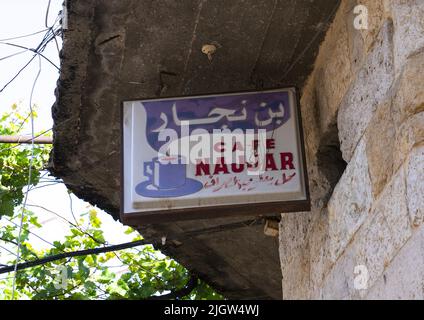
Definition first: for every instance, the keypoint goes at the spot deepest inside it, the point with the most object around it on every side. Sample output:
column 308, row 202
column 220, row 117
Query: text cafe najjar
column 272, row 162
column 213, row 155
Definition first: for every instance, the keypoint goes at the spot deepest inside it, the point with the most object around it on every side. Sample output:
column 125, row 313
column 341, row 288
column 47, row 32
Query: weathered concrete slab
column 127, row 49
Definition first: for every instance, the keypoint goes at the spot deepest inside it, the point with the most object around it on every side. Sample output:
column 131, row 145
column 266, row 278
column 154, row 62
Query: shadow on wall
column 329, row 158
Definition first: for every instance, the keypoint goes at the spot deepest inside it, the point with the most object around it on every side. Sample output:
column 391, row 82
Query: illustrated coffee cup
column 166, row 173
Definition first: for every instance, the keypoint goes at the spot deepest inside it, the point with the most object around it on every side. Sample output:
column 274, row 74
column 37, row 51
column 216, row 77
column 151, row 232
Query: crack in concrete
column 193, row 39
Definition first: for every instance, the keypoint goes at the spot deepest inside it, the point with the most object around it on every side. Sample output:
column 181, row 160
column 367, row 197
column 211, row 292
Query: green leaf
column 34, row 222
column 94, row 220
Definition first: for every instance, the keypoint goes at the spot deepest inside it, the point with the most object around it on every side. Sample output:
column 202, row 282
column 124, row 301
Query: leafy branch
column 79, row 253
column 92, row 270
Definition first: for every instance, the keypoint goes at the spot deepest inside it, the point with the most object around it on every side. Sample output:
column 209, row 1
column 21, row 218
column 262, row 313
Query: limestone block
column 409, row 96
column 309, row 119
column 361, row 41
column 293, row 235
column 381, row 237
column 294, row 255
column 319, row 253
column 408, row 135
column 408, row 19
column 373, row 246
column 338, row 285
column 378, row 11
column 368, row 90
column 380, row 140
column 415, row 186
column 393, row 202
column 350, row 203
column 333, row 73
column 295, row 283
column 404, row 278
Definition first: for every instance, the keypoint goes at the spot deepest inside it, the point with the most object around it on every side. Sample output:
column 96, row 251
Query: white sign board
column 212, row 155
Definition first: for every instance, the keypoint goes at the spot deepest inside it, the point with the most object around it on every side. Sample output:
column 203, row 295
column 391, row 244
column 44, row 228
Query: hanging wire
column 32, row 50
column 12, row 55
column 49, row 36
column 18, row 73
column 9, row 251
column 47, row 14
column 31, row 232
column 71, row 206
column 80, row 228
column 46, row 185
column 25, row 35
column 29, row 179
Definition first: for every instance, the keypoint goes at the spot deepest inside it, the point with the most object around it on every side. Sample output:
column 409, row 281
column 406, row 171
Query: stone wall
column 363, row 115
